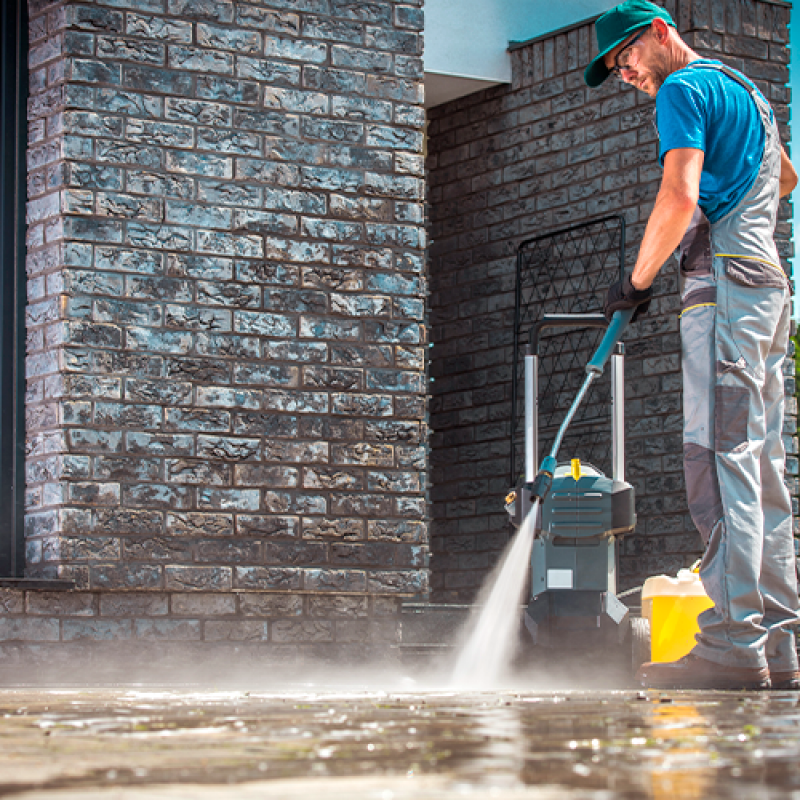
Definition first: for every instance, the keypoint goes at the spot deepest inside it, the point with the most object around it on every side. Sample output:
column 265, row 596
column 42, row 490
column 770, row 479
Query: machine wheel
column 640, row 642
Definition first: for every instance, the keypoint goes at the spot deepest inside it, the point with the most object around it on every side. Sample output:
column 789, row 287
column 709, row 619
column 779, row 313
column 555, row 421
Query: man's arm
column 788, row 178
column 671, row 215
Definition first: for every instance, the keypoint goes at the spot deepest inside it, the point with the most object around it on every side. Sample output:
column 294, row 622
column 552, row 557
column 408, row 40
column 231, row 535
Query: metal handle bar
column 563, row 321
column 544, row 478
column 594, row 368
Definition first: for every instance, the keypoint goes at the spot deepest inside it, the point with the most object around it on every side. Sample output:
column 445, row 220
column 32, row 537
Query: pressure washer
column 581, row 513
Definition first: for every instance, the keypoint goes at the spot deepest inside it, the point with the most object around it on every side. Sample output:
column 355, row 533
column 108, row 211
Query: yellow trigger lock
column 576, row 469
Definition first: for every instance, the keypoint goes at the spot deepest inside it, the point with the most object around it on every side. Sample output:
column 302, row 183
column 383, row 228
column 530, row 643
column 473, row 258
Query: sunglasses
column 623, row 57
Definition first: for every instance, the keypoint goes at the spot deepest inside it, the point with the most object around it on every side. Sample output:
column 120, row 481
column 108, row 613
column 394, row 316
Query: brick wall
column 517, row 161
column 226, row 295
column 129, row 635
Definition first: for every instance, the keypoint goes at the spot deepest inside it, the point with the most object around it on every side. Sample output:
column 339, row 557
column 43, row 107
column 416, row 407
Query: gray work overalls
column 735, row 316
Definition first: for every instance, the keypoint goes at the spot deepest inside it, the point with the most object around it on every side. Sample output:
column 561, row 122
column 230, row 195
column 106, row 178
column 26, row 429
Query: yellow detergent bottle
column 672, row 606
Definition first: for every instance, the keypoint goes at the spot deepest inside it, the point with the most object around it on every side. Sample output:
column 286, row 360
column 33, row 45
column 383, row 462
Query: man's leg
column 703, row 670
column 727, row 633
column 698, row 316
column 698, row 362
column 697, row 324
column 778, row 572
column 732, row 633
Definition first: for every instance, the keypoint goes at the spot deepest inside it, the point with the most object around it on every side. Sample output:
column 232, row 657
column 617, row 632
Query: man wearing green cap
column 724, row 171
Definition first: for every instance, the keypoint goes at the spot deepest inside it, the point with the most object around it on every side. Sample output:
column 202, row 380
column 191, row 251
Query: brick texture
column 517, row 161
column 217, row 635
column 225, row 363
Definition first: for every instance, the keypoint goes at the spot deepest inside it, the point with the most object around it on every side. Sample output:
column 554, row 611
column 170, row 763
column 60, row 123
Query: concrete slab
column 378, row 741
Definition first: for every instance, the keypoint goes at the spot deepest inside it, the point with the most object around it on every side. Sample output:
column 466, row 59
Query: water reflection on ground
column 314, row 742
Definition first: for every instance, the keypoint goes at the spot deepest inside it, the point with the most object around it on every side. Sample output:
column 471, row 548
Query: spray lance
column 541, row 484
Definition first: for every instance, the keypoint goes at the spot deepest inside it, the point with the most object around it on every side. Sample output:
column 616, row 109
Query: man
column 724, row 171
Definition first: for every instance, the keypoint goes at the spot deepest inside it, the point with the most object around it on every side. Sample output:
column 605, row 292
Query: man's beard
column 659, row 72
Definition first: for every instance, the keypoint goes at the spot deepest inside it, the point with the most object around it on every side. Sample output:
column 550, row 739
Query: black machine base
column 564, row 618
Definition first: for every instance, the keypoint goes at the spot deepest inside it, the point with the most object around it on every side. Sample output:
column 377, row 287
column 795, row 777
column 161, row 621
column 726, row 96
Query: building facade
column 225, row 408
column 215, row 370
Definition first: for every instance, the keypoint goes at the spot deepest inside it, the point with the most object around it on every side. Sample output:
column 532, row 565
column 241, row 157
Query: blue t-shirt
column 702, row 108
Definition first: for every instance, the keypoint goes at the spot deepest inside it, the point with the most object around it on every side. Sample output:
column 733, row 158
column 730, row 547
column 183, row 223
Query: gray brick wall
column 226, row 296
column 162, row 635
column 511, row 163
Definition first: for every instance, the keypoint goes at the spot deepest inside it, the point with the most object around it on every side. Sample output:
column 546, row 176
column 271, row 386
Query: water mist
column 489, row 640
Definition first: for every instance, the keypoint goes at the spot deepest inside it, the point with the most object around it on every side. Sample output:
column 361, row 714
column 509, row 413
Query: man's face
column 640, row 60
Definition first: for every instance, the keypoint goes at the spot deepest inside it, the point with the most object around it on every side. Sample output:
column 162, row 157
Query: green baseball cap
column 615, row 26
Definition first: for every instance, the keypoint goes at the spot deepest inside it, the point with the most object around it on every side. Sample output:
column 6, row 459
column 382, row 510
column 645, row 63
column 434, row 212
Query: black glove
column 622, row 295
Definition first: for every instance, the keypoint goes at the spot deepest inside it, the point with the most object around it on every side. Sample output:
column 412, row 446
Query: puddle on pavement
column 310, row 741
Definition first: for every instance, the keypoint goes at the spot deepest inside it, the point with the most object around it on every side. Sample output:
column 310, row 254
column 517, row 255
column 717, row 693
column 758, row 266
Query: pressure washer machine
column 580, row 512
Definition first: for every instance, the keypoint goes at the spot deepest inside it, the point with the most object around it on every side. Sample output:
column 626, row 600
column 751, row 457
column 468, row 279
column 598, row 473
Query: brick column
column 225, row 341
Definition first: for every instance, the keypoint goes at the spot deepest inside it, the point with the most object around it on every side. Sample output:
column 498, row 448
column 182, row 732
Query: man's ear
column 660, row 30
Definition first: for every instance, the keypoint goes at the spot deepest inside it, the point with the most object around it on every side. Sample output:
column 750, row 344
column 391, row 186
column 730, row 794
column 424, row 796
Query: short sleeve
column 680, row 118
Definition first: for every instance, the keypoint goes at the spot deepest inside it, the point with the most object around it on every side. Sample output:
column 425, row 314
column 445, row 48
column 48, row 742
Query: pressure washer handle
column 612, row 335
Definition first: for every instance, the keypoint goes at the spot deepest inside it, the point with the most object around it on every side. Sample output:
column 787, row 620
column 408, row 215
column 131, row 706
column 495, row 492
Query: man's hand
column 623, row 295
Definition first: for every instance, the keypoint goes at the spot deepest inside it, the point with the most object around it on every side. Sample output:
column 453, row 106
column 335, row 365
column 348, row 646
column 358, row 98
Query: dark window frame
column 13, row 282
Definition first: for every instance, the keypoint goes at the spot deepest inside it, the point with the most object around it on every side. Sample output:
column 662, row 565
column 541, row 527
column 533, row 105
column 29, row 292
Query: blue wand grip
column 612, row 335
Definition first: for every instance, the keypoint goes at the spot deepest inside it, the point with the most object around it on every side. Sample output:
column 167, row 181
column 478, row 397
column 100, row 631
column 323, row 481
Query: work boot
column 693, row 672
column 785, row 681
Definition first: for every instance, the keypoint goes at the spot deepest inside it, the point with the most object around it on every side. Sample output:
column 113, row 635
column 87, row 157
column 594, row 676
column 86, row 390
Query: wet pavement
column 308, row 740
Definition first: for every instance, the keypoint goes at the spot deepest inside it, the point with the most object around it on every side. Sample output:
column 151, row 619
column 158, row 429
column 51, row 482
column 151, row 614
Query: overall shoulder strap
column 761, row 104
column 731, row 73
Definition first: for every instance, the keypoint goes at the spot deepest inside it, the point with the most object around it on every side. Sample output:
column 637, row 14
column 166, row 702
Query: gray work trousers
column 734, row 343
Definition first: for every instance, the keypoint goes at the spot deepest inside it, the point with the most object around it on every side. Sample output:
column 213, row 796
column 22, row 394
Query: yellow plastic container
column 672, row 606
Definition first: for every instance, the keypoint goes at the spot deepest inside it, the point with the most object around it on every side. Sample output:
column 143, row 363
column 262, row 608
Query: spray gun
column 541, row 484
